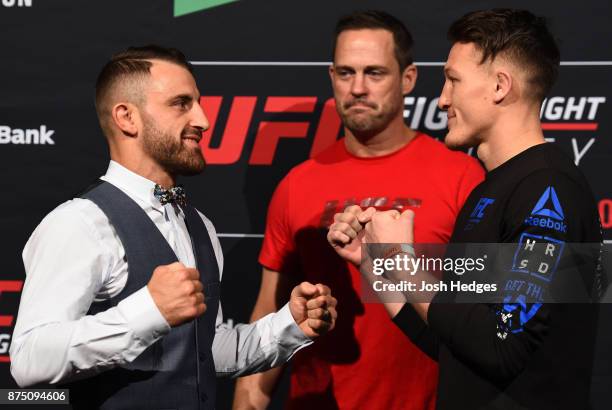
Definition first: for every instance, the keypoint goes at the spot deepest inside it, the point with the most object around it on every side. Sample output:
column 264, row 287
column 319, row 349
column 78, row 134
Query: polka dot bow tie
column 174, row 195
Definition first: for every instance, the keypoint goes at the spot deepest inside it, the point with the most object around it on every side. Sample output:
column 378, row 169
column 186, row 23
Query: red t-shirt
column 366, row 361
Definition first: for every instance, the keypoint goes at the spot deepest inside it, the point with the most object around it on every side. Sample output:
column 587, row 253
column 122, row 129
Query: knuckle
column 344, row 217
column 182, row 274
column 188, row 287
column 351, row 219
column 315, row 323
column 352, row 208
column 160, row 270
column 191, row 311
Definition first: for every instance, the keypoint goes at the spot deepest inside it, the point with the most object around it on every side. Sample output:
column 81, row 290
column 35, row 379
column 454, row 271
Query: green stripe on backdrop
column 182, row 7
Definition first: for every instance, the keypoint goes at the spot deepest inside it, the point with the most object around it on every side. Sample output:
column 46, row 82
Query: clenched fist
column 346, row 234
column 313, row 309
column 390, row 227
column 177, row 292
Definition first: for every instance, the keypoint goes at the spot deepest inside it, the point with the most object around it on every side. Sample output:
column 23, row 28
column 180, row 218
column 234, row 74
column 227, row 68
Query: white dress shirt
column 74, row 257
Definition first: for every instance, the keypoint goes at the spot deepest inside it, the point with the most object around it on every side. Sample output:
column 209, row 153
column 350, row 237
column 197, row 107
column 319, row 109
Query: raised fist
column 177, row 292
column 346, row 234
column 313, row 308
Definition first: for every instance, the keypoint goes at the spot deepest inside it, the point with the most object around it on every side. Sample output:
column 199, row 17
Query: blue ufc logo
column 478, row 212
column 479, row 209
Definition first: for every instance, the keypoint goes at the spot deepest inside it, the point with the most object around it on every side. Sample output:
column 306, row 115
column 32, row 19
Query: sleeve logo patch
column 478, row 212
column 512, row 317
column 537, row 256
column 548, row 213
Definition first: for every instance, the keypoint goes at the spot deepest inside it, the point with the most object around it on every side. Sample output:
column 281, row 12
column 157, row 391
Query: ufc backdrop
column 261, row 67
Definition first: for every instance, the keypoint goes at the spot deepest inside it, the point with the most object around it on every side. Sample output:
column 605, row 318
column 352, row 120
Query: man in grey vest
column 121, row 298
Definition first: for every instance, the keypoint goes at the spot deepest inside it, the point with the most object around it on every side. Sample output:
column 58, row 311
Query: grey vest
column 176, row 372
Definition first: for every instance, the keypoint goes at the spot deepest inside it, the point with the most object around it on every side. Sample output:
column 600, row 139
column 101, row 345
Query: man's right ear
column 125, row 117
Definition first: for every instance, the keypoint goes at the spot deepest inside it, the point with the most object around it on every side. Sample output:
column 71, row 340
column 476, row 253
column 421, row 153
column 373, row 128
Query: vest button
column 203, row 396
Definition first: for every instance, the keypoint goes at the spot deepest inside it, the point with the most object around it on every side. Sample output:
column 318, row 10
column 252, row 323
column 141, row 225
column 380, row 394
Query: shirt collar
column 134, row 185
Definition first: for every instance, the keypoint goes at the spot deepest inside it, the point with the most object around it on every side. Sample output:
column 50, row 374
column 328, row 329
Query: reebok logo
column 549, row 197
column 18, row 136
column 548, row 213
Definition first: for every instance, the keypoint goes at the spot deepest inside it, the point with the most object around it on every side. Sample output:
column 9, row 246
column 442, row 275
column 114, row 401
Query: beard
column 172, row 154
column 367, row 123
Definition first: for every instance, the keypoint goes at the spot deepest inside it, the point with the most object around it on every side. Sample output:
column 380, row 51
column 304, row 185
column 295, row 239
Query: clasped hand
column 355, row 227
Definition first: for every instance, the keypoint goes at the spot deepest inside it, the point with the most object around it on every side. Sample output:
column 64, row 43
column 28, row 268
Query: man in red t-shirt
column 365, row 362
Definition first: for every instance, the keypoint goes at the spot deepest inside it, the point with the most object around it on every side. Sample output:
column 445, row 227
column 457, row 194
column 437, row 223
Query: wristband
column 399, row 248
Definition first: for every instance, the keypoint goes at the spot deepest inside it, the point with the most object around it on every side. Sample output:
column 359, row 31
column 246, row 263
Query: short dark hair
column 135, row 61
column 516, row 34
column 375, row 19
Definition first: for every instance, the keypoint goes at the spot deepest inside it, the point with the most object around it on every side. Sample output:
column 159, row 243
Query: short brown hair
column 375, row 19
column 517, row 34
column 135, row 63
